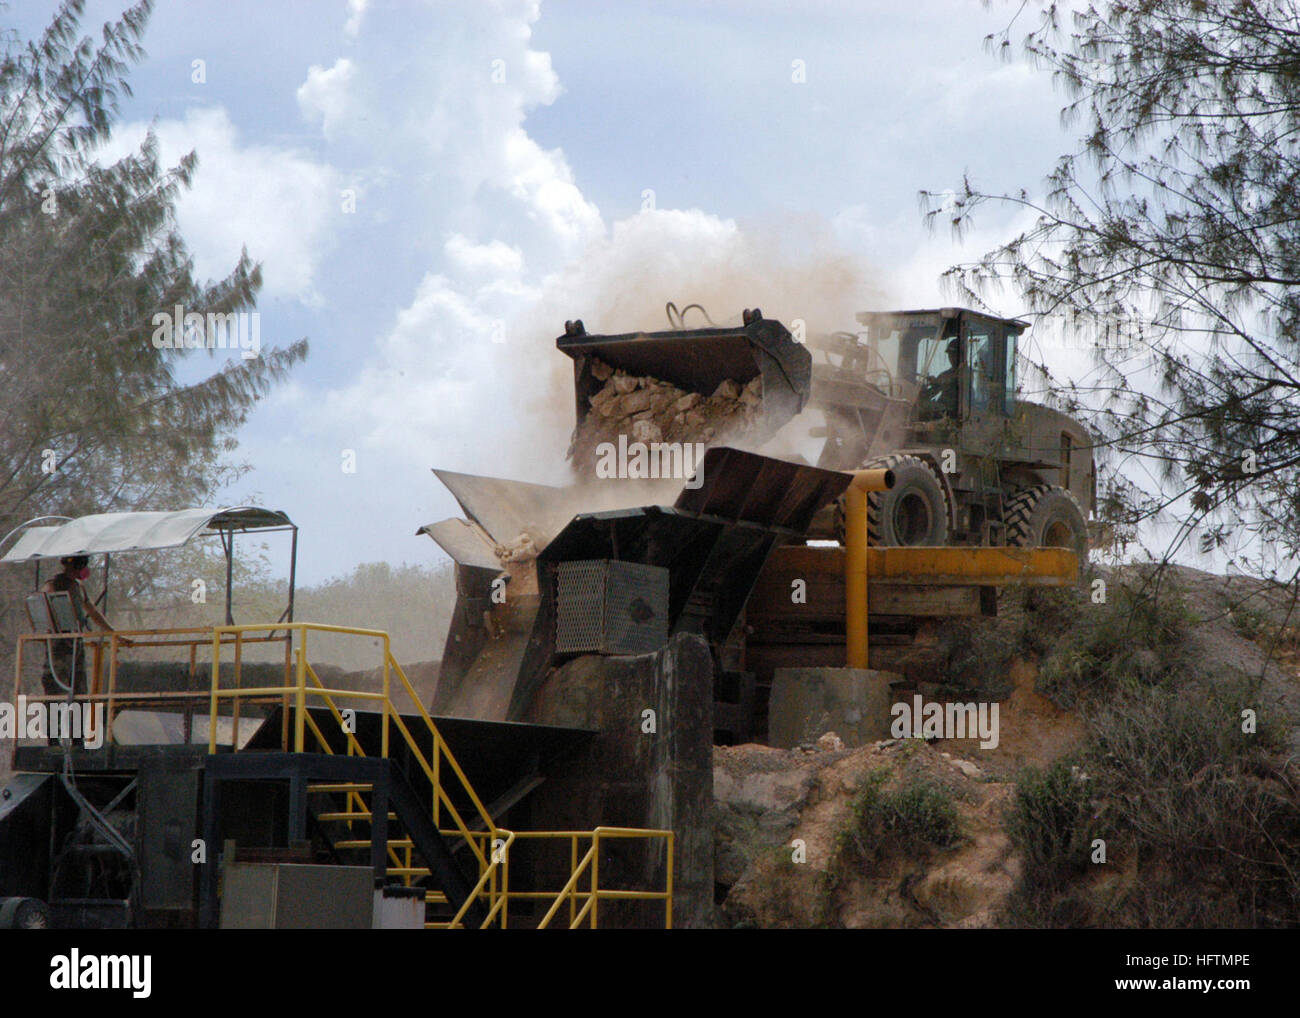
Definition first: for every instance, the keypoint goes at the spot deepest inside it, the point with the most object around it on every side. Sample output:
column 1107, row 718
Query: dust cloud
column 792, row 270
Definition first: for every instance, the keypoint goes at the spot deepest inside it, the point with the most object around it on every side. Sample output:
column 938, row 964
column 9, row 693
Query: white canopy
column 115, row 532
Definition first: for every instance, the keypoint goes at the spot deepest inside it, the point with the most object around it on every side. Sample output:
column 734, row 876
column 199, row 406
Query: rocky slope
column 908, row 833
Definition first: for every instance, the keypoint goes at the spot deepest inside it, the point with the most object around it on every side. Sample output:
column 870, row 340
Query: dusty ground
column 1033, row 729
column 768, row 800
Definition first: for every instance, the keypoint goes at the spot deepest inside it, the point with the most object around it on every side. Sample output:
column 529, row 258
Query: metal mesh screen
column 609, row 607
column 580, row 607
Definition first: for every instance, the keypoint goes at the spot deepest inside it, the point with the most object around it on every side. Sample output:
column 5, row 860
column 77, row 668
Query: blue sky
column 515, row 164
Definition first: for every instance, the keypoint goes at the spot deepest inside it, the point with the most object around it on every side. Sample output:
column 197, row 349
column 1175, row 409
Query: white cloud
column 430, row 384
column 914, row 268
column 356, row 14
column 278, row 202
column 327, row 95
column 495, row 259
column 544, row 184
column 458, row 367
column 460, row 127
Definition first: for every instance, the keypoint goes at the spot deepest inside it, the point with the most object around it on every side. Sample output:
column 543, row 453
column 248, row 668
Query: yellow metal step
column 346, row 786
column 351, row 816
column 393, row 843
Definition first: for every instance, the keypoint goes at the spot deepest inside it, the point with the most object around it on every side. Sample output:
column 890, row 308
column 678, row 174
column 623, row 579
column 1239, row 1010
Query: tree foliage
column 93, row 417
column 1171, row 239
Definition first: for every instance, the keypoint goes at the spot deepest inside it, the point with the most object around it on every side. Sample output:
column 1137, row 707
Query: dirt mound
column 790, row 826
column 1243, row 627
column 1033, row 731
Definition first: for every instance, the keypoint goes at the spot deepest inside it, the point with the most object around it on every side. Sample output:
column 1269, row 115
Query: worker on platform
column 65, row 660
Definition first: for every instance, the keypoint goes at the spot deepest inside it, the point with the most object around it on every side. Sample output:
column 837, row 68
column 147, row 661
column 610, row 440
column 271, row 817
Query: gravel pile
column 649, row 410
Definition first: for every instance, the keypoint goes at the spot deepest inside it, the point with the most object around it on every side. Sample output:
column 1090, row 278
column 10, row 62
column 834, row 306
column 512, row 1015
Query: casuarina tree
column 1170, row 238
column 103, row 407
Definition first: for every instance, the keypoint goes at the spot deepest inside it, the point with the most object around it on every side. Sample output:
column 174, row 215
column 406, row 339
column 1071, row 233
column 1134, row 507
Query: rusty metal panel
column 738, row 485
column 464, row 541
column 507, row 509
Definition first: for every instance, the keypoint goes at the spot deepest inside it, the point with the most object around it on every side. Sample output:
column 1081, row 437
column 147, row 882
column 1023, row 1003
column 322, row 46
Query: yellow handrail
column 491, row 846
column 570, row 893
column 489, row 874
column 301, row 691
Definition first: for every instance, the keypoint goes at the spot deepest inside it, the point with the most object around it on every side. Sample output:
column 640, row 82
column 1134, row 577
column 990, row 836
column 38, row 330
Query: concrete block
column 853, row 703
column 627, row 776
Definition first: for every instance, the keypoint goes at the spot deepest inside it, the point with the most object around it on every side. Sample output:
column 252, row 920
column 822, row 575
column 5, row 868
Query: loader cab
column 954, row 363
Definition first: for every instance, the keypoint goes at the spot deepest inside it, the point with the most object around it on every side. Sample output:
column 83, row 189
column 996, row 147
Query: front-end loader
column 929, row 394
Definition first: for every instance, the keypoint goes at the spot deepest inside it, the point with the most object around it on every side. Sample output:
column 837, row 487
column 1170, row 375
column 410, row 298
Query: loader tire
column 913, row 512
column 1046, row 517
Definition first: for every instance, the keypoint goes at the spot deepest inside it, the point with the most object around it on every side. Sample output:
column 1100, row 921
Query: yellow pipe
column 855, row 560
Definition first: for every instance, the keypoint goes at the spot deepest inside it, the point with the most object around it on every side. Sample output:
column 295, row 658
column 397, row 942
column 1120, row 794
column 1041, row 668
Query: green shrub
column 1046, row 822
column 915, row 814
column 1134, row 637
column 1174, row 785
column 1248, row 622
column 1045, row 613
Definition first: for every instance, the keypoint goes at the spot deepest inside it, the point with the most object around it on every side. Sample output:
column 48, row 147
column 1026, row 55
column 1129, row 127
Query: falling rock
column 606, row 401
column 727, row 389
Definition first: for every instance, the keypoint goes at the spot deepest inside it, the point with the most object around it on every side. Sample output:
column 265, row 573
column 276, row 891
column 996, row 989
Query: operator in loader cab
column 940, row 394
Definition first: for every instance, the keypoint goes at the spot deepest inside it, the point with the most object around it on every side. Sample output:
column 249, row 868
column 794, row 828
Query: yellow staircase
column 489, row 846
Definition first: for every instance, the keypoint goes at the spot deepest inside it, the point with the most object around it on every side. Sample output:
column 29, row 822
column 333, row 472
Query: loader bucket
column 699, row 360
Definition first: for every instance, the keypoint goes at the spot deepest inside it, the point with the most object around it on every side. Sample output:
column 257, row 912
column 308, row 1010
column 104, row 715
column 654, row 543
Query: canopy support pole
column 293, row 568
column 228, row 545
column 102, row 601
